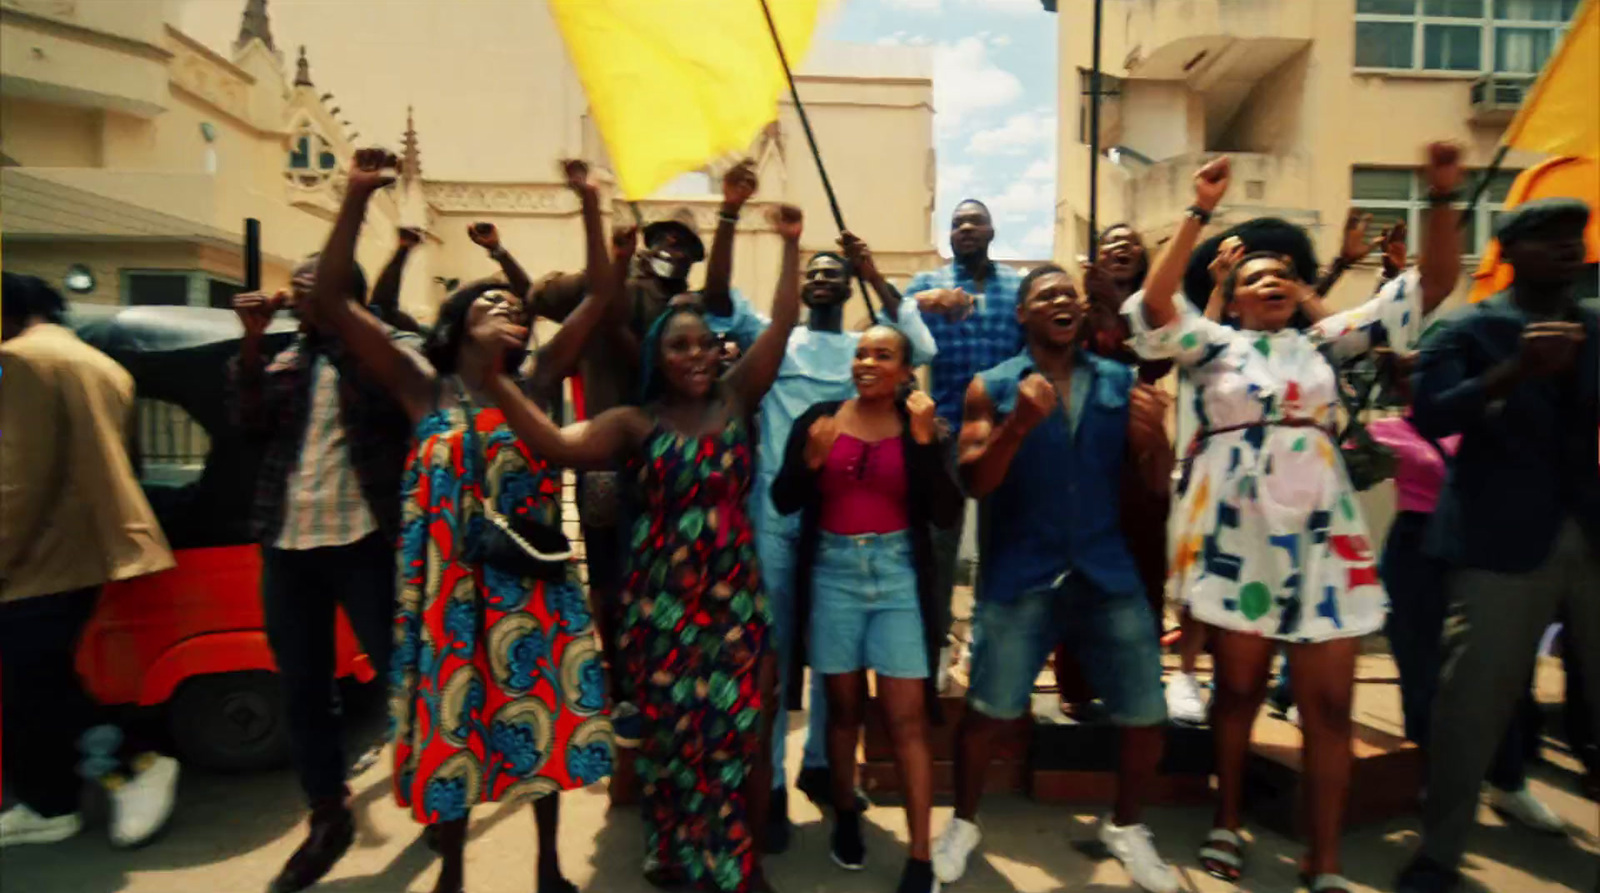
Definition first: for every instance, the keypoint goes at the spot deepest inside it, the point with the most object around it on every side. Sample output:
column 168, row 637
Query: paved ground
column 232, row 833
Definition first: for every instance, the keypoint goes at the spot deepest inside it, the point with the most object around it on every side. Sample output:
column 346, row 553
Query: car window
column 170, row 446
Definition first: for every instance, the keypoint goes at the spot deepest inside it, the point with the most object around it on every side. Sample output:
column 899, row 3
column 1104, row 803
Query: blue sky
column 994, row 95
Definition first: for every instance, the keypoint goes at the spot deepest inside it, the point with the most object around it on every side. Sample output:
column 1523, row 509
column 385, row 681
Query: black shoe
column 333, row 829
column 848, row 850
column 778, row 827
column 1424, row 875
column 918, row 878
column 816, row 783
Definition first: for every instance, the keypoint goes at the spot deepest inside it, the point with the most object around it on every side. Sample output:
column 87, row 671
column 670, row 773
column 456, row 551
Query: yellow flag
column 1560, row 115
column 675, row 84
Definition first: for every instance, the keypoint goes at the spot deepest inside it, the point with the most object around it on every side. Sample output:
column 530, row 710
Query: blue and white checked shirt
column 987, row 338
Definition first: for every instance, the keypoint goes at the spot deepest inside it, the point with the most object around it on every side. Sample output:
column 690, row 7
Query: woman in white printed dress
column 1269, row 546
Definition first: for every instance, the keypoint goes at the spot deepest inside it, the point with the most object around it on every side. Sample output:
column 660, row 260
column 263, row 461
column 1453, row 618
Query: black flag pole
column 811, row 139
column 1094, row 137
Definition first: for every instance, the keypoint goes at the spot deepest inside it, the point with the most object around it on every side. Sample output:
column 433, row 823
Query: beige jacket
column 72, row 514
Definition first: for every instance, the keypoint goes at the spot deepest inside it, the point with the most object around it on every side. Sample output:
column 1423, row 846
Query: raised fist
column 484, row 235
column 576, row 174
column 859, row 255
column 1211, row 183
column 371, row 170
column 255, row 310
column 739, row 184
column 1036, row 399
column 1442, row 169
column 819, row 441
column 924, row 417
column 788, row 221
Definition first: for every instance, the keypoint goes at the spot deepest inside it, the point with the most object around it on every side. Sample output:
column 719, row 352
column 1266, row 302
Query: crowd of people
column 762, row 493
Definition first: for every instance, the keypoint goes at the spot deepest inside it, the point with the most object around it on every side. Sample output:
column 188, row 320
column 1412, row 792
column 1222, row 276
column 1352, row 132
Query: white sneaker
column 951, row 850
column 1135, row 847
column 1185, row 704
column 19, row 825
column 1522, row 807
column 141, row 806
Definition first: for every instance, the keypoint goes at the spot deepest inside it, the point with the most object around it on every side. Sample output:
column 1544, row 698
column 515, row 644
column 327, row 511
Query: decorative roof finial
column 411, row 155
column 302, row 69
column 254, row 26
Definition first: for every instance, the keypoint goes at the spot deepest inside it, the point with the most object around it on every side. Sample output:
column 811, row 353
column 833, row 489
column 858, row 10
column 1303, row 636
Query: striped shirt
column 323, row 505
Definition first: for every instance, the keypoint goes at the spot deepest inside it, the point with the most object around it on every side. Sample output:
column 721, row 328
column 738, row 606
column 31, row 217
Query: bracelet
column 1444, row 198
column 728, row 216
column 1199, row 213
column 498, row 252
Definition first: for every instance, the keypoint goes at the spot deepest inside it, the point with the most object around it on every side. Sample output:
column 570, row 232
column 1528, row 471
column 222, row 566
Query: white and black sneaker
column 848, row 850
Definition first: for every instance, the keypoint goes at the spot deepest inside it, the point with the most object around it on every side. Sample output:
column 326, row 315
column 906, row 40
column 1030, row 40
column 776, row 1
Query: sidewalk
column 232, row 834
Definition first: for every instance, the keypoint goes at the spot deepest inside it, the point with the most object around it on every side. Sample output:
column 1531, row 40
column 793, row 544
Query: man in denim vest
column 1043, row 439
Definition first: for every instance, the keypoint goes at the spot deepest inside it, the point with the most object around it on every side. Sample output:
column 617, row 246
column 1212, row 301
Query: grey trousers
column 1491, row 640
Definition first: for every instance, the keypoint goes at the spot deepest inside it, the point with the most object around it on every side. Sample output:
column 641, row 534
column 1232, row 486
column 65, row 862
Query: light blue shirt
column 816, row 368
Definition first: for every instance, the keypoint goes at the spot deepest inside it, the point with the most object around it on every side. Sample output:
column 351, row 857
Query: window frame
column 197, row 284
column 1487, row 24
column 1416, row 202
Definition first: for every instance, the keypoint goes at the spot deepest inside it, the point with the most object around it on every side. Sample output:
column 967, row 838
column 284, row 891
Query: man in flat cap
column 1519, row 521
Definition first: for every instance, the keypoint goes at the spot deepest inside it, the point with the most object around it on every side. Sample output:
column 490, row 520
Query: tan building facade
column 137, row 135
column 1321, row 104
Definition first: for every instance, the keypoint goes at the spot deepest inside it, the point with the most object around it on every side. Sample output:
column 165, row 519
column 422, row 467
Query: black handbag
column 512, row 544
column 1368, row 462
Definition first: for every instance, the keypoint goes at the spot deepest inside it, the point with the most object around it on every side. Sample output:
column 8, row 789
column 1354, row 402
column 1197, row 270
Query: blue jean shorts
column 864, row 608
column 1113, row 634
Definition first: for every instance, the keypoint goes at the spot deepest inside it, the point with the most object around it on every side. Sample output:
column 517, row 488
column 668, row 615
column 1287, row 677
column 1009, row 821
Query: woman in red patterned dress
column 497, row 686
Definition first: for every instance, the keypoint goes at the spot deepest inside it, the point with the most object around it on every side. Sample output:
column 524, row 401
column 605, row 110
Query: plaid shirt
column 272, row 405
column 987, row 338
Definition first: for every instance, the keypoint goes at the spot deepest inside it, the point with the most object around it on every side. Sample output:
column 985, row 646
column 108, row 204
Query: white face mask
column 662, row 267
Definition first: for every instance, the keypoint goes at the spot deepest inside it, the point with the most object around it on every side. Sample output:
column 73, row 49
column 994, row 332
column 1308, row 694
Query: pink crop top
column 864, row 487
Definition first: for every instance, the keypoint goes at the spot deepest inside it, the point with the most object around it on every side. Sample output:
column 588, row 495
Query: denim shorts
column 864, row 608
column 1114, row 636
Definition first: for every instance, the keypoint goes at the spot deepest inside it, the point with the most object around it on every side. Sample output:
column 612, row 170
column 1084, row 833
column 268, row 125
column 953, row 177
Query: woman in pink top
column 870, row 478
column 1418, row 605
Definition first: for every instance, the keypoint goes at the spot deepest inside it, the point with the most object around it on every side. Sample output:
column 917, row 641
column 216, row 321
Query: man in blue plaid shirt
column 970, row 307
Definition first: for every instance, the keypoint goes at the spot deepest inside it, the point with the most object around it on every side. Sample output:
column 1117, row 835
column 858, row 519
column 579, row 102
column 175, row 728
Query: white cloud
column 904, row 38
column 1019, row 135
column 954, row 178
column 914, row 5
column 1041, row 169
column 1040, row 239
column 965, row 80
column 1020, row 200
column 1010, row 7
column 1000, row 40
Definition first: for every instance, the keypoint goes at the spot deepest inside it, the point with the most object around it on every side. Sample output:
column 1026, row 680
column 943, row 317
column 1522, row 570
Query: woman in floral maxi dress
column 695, row 630
column 1269, row 545
column 497, row 687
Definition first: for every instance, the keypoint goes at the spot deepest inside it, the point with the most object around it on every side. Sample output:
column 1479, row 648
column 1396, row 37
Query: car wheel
column 231, row 722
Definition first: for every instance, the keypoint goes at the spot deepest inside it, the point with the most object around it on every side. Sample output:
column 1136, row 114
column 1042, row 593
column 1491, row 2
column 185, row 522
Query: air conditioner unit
column 1496, row 97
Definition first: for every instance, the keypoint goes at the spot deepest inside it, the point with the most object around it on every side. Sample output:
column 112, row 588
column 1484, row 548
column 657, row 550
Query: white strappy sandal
column 1222, row 855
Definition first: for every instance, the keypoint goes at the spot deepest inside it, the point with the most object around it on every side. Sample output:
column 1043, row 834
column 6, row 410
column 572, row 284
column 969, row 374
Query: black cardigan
column 935, row 499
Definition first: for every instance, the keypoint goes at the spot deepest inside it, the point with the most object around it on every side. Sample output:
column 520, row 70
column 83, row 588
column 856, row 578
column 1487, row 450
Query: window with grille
column 311, row 158
column 1398, row 194
column 1477, row 36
